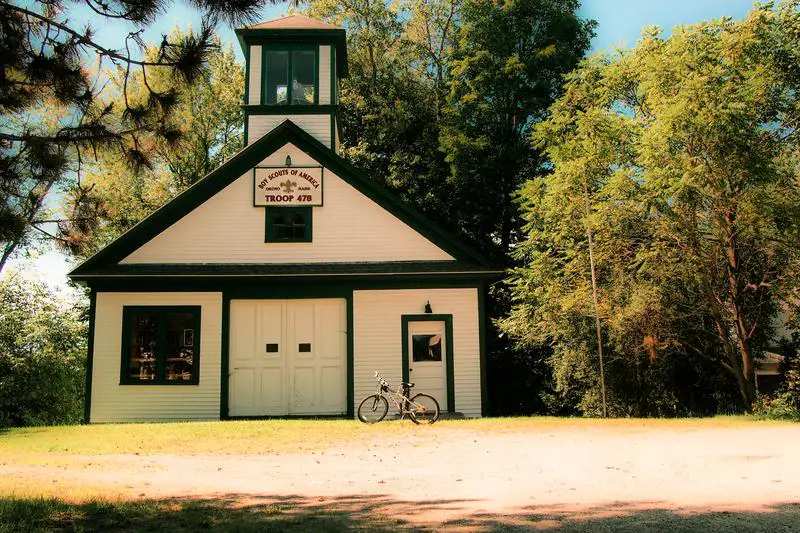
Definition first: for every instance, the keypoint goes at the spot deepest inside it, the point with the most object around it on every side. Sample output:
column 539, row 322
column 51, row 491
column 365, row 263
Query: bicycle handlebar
column 382, row 381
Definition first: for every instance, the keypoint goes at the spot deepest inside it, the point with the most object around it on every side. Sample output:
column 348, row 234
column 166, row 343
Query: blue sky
column 619, row 23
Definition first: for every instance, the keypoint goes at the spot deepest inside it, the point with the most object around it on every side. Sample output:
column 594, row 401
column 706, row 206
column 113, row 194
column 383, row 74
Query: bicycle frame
column 400, row 398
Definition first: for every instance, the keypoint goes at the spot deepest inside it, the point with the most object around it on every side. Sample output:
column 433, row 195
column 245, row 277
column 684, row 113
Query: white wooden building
column 278, row 283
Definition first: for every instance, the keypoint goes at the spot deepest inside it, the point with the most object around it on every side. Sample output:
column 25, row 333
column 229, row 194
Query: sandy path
column 461, row 473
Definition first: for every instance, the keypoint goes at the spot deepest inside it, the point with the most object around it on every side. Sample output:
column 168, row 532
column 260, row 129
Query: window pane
column 427, row 347
column 277, row 77
column 180, row 346
column 303, row 76
column 144, row 334
column 287, row 224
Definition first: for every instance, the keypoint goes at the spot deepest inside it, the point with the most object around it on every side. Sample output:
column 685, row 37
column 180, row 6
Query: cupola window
column 290, row 76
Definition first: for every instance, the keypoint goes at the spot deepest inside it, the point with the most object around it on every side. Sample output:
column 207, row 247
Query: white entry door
column 287, row 357
column 427, row 359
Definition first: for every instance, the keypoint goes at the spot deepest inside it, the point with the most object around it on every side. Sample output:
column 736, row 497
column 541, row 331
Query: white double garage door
column 287, row 357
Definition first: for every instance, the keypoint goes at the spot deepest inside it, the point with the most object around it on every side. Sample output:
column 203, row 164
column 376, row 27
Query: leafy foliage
column 58, row 111
column 398, row 56
column 423, row 112
column 507, row 70
column 211, row 130
column 42, row 356
column 681, row 157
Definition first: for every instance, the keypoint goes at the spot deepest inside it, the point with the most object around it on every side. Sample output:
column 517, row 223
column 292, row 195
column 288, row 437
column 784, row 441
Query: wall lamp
column 428, row 309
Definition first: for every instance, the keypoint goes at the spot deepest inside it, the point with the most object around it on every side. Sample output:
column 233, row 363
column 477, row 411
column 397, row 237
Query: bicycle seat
column 409, row 385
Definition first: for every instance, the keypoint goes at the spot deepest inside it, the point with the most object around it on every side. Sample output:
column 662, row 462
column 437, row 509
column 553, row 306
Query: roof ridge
column 293, row 21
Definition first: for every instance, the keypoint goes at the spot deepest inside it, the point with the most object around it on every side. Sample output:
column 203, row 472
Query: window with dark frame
column 288, row 224
column 160, row 345
column 290, row 76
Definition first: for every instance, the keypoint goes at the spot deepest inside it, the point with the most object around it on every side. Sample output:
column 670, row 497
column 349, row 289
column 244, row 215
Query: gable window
column 160, row 345
column 290, row 76
column 288, row 224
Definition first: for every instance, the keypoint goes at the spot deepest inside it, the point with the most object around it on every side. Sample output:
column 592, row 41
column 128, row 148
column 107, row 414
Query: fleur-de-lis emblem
column 288, row 186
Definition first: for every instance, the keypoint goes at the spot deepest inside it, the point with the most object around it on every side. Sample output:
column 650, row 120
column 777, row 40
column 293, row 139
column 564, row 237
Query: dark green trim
column 246, row 100
column 296, row 109
column 269, row 231
column 333, row 36
column 160, row 311
column 289, row 48
column 245, row 160
column 259, row 293
column 224, row 357
column 87, row 394
column 482, row 323
column 276, row 287
column 449, row 366
column 333, row 132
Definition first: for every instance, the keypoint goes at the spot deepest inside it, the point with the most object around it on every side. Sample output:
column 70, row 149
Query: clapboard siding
column 325, row 74
column 377, row 339
column 112, row 402
column 254, row 83
column 318, row 126
column 349, row 227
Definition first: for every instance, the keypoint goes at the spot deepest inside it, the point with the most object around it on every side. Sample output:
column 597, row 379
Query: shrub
column 782, row 406
column 42, row 355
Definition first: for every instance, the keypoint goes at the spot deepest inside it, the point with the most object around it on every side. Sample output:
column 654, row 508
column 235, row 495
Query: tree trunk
column 596, row 306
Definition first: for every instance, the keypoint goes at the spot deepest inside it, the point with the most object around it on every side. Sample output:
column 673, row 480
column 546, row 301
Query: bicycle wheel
column 424, row 409
column 372, row 409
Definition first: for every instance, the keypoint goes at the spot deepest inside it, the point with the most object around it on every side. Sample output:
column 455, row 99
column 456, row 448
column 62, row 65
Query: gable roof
column 246, row 159
column 293, row 22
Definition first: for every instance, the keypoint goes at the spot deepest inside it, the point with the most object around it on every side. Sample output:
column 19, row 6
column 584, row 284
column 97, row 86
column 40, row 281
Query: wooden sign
column 287, row 186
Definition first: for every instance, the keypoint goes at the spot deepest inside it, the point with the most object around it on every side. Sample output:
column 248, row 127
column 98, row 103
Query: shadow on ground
column 368, row 513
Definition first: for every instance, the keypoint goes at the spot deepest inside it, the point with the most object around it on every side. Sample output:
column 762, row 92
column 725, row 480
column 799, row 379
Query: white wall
column 112, row 402
column 378, row 339
column 318, row 126
column 349, row 227
column 254, row 83
column 325, row 74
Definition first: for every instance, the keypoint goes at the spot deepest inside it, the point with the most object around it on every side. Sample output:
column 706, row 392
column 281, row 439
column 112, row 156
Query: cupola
column 293, row 67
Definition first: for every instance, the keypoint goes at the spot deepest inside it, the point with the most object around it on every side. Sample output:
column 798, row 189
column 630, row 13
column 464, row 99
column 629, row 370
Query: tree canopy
column 681, row 156
column 58, row 107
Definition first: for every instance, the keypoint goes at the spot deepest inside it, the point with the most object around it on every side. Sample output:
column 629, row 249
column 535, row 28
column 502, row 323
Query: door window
column 426, row 348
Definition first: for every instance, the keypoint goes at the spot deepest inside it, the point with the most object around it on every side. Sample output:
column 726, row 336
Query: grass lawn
column 31, row 505
column 358, row 514
column 288, row 436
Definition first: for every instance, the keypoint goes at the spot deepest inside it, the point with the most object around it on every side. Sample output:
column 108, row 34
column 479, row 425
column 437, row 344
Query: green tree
column 211, row 124
column 509, row 67
column 681, row 155
column 398, row 55
column 42, row 355
column 56, row 111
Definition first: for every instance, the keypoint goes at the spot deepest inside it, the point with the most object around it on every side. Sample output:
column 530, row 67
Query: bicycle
column 421, row 408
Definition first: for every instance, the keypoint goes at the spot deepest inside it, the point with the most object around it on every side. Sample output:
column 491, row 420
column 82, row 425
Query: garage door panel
column 272, row 389
column 243, row 331
column 303, row 388
column 243, row 385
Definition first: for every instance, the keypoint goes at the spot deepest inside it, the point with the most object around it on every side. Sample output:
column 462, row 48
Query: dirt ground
column 445, row 476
